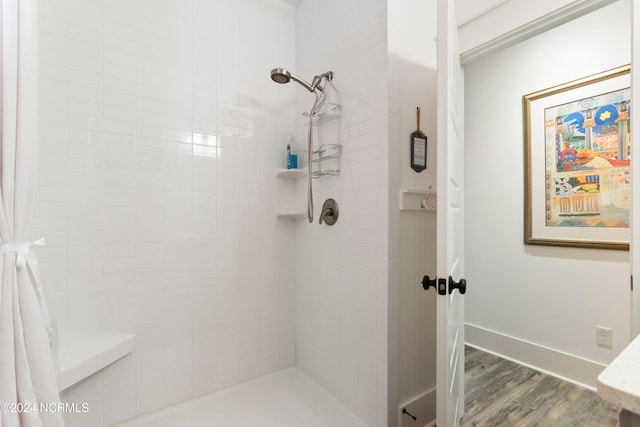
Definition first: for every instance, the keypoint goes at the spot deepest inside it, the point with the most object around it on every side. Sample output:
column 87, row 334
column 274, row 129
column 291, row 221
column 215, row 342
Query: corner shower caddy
column 325, row 160
column 327, row 156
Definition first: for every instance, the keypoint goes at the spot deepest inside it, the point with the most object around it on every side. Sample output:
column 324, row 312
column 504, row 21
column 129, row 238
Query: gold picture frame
column 577, row 163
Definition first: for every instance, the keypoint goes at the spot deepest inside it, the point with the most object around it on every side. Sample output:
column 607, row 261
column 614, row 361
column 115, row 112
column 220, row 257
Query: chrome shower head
column 281, row 75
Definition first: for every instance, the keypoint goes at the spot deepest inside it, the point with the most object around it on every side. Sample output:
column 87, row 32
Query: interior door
column 450, row 238
column 635, row 170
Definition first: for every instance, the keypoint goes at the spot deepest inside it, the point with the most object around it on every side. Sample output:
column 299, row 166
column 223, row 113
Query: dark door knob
column 427, row 283
column 460, row 286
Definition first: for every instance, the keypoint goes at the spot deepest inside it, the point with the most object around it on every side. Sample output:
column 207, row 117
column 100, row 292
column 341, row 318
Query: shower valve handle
column 326, row 213
column 329, row 212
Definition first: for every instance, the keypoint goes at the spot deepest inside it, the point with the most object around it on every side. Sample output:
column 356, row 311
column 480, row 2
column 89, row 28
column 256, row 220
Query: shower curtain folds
column 27, row 374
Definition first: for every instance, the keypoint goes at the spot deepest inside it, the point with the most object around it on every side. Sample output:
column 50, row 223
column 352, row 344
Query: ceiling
column 466, row 10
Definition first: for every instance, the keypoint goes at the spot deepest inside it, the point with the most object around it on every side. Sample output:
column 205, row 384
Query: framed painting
column 577, row 162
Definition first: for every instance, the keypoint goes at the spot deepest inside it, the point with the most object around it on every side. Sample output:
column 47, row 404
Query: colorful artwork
column 577, row 148
column 588, row 162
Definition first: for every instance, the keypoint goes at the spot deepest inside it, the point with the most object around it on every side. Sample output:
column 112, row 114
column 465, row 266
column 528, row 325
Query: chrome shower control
column 329, row 212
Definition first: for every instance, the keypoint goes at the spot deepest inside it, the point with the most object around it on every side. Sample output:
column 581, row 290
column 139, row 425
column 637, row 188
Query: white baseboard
column 565, row 366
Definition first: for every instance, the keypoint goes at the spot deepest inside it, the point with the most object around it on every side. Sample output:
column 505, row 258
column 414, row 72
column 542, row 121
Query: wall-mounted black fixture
column 418, row 147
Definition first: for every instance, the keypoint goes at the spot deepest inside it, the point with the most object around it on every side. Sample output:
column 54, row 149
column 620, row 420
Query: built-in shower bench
column 84, row 359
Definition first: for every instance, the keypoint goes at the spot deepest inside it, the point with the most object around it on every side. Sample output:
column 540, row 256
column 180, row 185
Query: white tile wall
column 160, row 132
column 342, row 271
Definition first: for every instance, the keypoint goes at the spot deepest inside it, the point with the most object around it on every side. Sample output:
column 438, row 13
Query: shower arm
column 315, row 83
column 304, row 83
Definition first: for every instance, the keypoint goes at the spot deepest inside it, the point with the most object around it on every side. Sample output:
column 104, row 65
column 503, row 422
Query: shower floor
column 286, row 398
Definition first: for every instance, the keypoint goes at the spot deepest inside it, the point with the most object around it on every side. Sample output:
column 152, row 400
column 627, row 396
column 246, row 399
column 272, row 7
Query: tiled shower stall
column 160, row 133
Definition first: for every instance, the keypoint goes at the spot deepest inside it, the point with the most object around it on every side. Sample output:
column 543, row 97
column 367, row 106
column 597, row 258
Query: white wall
column 412, row 83
column 412, row 49
column 547, row 298
column 160, row 132
column 342, row 271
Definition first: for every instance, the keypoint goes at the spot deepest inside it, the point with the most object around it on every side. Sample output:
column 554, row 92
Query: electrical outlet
column 604, row 337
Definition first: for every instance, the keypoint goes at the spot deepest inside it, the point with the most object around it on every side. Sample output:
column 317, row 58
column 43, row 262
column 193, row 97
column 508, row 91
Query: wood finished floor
column 503, row 393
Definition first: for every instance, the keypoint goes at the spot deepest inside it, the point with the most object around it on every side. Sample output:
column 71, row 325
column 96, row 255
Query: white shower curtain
column 27, row 374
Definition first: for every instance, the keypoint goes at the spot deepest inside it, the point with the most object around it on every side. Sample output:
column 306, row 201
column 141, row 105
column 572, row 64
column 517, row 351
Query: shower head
column 281, row 75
